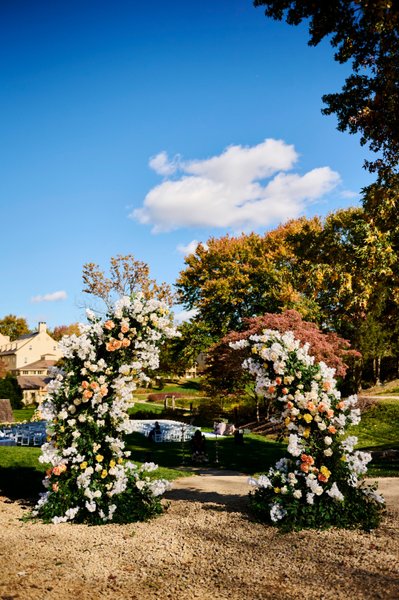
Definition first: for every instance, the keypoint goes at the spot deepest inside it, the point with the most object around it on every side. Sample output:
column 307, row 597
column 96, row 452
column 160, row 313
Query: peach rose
column 54, row 487
column 109, row 325
column 125, row 342
column 94, row 385
column 87, row 394
column 305, row 467
column 330, row 413
column 124, row 328
column 332, row 429
column 85, row 384
column 279, row 381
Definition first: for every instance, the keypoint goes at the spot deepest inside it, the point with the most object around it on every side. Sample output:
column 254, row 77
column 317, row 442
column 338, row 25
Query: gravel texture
column 205, row 546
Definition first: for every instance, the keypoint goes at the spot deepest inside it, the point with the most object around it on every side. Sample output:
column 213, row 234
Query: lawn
column 378, row 431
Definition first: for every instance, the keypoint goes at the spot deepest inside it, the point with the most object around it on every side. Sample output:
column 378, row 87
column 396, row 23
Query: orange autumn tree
column 233, row 278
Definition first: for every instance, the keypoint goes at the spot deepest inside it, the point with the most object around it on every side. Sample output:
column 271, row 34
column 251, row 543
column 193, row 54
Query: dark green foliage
column 10, row 389
column 366, row 34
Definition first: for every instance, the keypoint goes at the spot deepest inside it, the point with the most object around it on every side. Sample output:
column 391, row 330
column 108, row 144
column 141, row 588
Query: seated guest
column 155, row 430
column 198, row 453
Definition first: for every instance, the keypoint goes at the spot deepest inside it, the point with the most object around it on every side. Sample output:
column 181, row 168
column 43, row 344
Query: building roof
column 39, row 364
column 32, row 382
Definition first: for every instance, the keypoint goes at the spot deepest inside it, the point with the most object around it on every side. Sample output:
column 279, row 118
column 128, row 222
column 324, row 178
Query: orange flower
column 284, row 391
column 326, row 385
column 85, row 384
column 311, row 406
column 332, row 429
column 322, row 478
column 271, row 389
column 55, row 487
column 125, row 342
column 94, row 385
column 117, row 344
column 290, row 405
column 306, row 458
column 109, row 346
column 109, row 325
column 124, row 328
column 58, row 469
column 341, row 405
column 279, row 381
column 305, row 467
column 103, row 390
column 330, row 413
column 321, row 407
column 87, row 394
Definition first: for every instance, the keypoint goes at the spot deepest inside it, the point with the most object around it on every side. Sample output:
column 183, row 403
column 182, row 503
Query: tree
column 13, row 326
column 127, row 276
column 180, row 353
column 237, row 278
column 10, row 389
column 366, row 33
column 61, row 330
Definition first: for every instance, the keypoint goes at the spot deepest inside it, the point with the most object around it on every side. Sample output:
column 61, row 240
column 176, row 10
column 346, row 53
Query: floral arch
column 90, row 478
column 320, row 482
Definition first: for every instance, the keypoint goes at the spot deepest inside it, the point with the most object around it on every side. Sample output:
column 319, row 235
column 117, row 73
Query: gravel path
column 205, row 546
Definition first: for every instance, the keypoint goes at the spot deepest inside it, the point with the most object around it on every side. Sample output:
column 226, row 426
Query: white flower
column 328, row 441
column 277, row 513
column 334, row 493
column 297, row 494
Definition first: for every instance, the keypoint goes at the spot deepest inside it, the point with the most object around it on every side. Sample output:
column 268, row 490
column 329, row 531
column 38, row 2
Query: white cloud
column 185, row 315
column 53, row 297
column 191, row 247
column 243, row 188
column 162, row 165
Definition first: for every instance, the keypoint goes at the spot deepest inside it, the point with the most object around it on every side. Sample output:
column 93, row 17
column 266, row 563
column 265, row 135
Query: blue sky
column 139, row 127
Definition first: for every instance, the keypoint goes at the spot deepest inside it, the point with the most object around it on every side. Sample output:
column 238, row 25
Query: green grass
column 151, row 407
column 378, row 431
column 257, row 453
column 23, row 414
column 379, row 426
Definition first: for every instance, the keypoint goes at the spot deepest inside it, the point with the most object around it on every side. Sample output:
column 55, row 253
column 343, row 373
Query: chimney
column 42, row 327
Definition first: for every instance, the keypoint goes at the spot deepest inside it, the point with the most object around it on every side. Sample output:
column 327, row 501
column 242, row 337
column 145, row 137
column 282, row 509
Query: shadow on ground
column 21, row 483
column 226, row 502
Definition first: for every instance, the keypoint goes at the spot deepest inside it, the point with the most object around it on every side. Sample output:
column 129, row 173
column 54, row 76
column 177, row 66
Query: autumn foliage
column 224, row 372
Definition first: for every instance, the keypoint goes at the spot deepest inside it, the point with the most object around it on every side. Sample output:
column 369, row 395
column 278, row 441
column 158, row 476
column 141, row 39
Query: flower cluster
column 90, row 477
column 322, row 473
